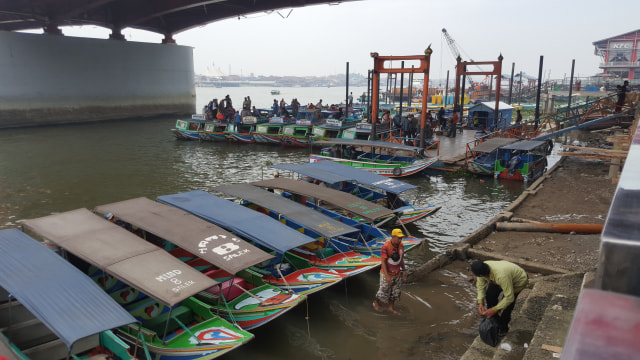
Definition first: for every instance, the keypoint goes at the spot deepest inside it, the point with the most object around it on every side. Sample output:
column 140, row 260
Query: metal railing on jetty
column 582, row 115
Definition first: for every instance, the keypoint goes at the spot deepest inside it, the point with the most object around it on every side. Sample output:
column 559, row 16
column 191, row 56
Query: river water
column 59, row 168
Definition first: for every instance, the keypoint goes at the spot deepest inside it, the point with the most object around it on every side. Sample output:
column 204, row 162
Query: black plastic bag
column 489, row 331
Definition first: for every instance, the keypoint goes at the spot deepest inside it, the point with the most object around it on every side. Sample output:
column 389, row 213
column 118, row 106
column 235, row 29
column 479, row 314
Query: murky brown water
column 53, row 169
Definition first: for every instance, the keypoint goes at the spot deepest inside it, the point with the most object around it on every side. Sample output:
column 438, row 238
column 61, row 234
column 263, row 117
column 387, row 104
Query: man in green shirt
column 493, row 278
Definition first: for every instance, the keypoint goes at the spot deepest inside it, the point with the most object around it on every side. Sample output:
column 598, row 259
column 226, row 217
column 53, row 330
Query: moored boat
column 72, row 319
column 507, row 158
column 263, row 231
column 190, row 129
column 243, row 133
column 324, row 232
column 218, row 254
column 173, row 325
column 214, row 131
column 331, row 129
column 365, row 185
column 271, row 133
column 297, row 135
column 362, row 131
column 380, row 157
column 347, row 209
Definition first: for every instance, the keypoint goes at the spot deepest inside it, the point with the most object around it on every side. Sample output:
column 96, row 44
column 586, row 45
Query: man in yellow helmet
column 392, row 272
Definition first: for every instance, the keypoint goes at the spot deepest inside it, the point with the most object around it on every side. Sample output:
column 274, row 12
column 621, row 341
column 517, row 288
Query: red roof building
column 619, row 55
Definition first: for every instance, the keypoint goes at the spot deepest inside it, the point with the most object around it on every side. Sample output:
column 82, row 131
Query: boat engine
column 511, row 166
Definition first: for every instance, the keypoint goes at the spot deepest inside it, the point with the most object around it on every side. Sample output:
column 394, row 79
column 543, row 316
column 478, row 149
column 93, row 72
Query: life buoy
column 397, row 171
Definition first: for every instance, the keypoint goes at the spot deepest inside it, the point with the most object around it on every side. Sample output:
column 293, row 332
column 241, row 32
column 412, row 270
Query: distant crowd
column 223, row 110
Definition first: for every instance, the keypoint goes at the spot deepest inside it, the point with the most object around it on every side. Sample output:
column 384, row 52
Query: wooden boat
column 190, row 129
column 527, row 160
column 173, row 324
column 271, row 133
column 365, row 185
column 362, row 131
column 263, row 231
column 275, row 92
column 214, row 131
column 331, row 129
column 380, row 157
column 297, row 135
column 510, row 159
column 324, row 232
column 45, row 302
column 347, row 209
column 246, row 303
column 243, row 135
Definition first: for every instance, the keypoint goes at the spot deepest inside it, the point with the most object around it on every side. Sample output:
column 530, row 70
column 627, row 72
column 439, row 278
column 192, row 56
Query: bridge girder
column 167, row 17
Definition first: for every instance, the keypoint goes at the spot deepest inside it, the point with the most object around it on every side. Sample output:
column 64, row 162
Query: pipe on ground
column 552, row 228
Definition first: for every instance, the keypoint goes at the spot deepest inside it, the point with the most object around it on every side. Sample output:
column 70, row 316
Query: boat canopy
column 66, row 300
column 492, row 144
column 245, row 222
column 371, row 143
column 525, row 145
column 202, row 238
column 332, row 172
column 122, row 254
column 297, row 212
column 351, row 203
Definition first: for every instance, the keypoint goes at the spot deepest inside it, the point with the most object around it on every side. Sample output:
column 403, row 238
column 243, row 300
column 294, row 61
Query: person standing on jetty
column 392, row 267
column 493, row 278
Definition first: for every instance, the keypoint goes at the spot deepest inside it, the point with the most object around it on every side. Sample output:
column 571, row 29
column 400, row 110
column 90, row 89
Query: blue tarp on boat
column 66, row 300
column 247, row 223
column 307, row 217
column 334, row 172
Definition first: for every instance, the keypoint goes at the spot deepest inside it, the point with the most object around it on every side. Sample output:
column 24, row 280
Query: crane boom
column 454, row 48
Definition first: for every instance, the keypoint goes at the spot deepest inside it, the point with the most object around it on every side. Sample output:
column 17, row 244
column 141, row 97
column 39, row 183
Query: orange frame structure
column 378, row 68
column 461, row 69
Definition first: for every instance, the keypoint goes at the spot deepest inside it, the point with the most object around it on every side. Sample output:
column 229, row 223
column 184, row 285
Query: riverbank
column 573, row 191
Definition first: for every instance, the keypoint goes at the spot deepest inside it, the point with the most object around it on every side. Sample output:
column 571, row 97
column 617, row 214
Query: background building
column 619, row 55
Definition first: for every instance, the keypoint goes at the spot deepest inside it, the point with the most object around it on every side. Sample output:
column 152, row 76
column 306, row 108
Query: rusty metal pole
column 498, row 71
column 513, row 66
column 401, row 90
column 425, row 94
column 458, row 73
column 346, row 104
column 573, row 65
column 537, row 116
column 374, row 96
column 410, row 87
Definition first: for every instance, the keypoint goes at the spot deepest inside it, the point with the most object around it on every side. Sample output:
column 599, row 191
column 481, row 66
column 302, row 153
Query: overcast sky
column 319, row 40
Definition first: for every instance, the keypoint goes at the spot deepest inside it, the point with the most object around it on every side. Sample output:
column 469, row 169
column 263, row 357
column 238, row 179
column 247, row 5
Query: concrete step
column 556, row 320
column 530, row 306
column 525, row 320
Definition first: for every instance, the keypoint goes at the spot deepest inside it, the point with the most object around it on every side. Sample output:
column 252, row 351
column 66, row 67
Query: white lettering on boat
column 168, row 275
column 183, row 286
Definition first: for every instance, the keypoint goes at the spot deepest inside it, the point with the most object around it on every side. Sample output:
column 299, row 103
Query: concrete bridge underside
column 53, row 79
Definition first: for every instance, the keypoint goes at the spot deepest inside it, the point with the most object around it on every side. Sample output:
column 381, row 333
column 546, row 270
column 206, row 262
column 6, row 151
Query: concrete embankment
column 574, row 192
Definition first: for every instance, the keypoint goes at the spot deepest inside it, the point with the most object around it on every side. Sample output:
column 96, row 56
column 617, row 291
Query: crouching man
column 493, row 278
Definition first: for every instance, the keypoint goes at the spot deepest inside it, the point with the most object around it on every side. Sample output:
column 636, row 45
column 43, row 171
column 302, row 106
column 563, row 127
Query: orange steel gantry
column 379, row 68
